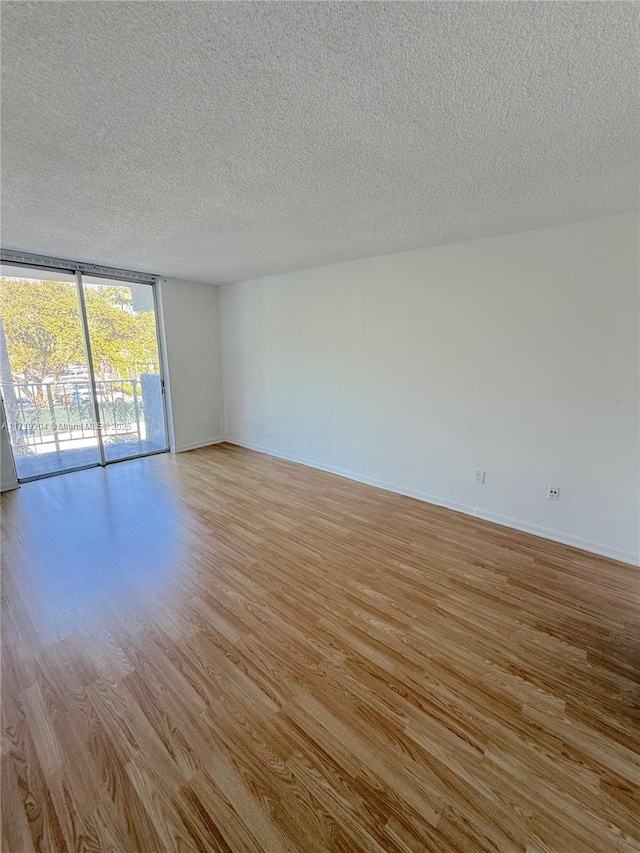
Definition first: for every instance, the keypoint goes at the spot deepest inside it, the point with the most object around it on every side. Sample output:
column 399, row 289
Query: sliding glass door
column 44, row 373
column 122, row 328
column 79, row 370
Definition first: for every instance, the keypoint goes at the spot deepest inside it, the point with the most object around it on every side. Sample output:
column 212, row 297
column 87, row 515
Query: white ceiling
column 219, row 141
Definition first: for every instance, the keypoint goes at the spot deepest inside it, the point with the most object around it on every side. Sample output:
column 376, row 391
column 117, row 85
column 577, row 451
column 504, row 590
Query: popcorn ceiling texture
column 223, row 141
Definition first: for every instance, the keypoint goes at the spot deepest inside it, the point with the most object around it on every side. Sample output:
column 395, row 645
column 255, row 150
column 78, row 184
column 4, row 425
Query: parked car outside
column 107, row 396
column 82, row 397
column 75, row 371
column 75, row 398
column 25, row 404
column 71, row 390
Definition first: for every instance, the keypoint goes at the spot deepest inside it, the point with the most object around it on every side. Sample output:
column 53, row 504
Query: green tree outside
column 43, row 332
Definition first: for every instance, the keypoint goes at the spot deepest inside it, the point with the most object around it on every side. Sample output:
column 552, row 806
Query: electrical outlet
column 478, row 476
column 553, row 493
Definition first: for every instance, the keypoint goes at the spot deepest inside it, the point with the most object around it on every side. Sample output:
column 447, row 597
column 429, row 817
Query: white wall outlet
column 478, row 476
column 553, row 493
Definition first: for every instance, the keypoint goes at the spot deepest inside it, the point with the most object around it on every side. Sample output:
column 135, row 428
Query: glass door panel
column 44, row 373
column 122, row 329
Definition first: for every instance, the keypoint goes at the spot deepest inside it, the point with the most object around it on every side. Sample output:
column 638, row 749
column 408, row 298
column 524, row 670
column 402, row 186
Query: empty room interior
column 320, row 446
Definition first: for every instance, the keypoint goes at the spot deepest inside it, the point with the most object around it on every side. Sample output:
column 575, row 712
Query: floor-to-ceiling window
column 80, row 370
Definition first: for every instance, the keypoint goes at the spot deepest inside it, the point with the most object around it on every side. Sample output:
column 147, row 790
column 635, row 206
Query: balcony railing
column 46, row 417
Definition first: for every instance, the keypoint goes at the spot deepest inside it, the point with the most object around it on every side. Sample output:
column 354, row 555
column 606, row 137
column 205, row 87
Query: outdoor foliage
column 43, row 332
column 40, row 337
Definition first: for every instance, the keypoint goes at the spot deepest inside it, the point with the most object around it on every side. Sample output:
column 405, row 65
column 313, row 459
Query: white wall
column 515, row 354
column 190, row 331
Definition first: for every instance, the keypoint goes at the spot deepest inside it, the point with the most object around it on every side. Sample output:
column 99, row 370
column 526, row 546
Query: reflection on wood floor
column 45, row 464
column 224, row 651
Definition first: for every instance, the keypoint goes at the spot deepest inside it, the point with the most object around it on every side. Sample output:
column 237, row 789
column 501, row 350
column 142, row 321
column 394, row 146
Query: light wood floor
column 223, row 651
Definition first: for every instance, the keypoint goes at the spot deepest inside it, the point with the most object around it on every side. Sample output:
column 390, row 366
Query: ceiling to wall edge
column 627, row 211
column 13, row 256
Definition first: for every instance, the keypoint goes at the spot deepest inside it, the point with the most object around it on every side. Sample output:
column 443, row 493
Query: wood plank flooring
column 222, row 651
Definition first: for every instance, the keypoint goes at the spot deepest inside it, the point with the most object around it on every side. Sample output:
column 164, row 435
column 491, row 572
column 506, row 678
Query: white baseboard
column 194, row 445
column 496, row 518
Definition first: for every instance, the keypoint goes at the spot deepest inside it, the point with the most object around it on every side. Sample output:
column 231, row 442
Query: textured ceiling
column 220, row 141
